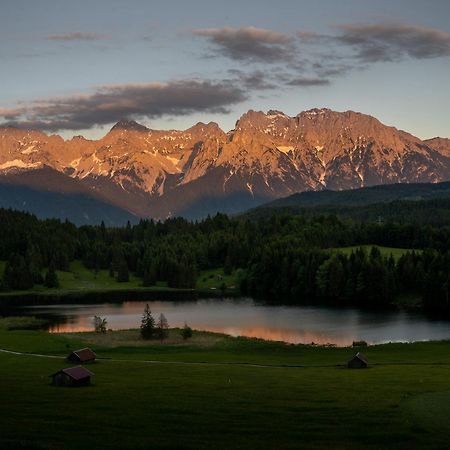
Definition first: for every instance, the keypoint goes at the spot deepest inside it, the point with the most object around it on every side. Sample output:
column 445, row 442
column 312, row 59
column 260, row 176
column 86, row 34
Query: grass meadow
column 80, row 280
column 219, row 392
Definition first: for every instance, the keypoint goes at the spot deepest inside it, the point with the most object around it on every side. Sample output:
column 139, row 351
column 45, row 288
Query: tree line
column 285, row 257
column 365, row 279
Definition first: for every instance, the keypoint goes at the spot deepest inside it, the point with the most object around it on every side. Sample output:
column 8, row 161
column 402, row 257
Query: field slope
column 217, row 392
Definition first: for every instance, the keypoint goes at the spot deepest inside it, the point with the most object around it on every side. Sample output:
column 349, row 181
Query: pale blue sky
column 393, row 59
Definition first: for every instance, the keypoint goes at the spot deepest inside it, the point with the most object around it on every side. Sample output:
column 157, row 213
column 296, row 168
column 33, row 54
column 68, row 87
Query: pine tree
column 51, row 279
column 149, row 276
column 227, row 267
column 123, row 275
column 17, row 274
column 147, row 323
column 162, row 327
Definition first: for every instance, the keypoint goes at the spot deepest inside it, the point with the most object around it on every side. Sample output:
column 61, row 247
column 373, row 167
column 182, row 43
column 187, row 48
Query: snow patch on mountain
column 285, row 148
column 29, row 150
column 74, row 163
column 18, row 163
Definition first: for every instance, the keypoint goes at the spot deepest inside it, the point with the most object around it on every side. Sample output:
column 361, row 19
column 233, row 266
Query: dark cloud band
column 249, row 43
column 383, row 42
column 110, row 103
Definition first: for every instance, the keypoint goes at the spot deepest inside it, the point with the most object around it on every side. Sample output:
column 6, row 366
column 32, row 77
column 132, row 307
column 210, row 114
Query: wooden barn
column 82, row 356
column 72, row 377
column 359, row 361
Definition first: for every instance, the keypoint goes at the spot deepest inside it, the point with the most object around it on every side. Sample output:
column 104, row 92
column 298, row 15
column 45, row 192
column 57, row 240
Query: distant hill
column 425, row 203
column 49, row 194
column 76, row 208
column 365, row 196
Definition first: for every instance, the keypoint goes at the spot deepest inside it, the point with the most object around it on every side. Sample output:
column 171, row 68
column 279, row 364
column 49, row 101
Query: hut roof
column 84, row 354
column 361, row 357
column 76, row 373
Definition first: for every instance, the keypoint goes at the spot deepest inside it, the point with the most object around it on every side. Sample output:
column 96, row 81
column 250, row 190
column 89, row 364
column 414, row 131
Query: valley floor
column 219, row 392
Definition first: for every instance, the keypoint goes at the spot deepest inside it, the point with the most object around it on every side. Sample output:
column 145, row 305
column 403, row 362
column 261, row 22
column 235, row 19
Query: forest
column 281, row 258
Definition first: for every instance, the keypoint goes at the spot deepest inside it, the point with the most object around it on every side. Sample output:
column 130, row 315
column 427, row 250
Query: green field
column 80, row 279
column 214, row 278
column 385, row 251
column 218, row 392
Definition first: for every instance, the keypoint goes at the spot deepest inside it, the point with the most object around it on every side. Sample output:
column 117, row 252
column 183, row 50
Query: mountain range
column 134, row 171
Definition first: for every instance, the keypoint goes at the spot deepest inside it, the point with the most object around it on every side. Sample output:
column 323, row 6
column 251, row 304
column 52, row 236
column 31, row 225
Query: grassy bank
column 80, row 280
column 221, row 392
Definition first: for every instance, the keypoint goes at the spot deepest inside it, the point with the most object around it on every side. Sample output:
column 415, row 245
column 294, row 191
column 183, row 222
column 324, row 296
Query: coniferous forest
column 281, row 258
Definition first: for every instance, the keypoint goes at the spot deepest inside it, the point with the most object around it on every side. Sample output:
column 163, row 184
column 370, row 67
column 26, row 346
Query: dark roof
column 84, row 354
column 361, row 357
column 76, row 373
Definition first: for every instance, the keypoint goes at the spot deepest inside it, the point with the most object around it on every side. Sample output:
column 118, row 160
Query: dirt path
column 190, row 363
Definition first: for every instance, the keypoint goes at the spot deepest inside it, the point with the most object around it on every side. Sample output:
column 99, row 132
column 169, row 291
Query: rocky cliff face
column 442, row 145
column 202, row 170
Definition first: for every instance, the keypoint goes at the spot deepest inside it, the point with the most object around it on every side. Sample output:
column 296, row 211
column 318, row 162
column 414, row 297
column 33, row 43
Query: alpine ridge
column 202, row 170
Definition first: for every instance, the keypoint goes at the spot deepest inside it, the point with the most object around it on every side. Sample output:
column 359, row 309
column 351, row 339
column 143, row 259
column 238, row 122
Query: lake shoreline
column 163, row 293
column 137, row 294
column 243, row 316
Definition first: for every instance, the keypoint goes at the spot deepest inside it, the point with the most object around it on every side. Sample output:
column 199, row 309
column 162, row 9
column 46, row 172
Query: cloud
column 10, row 114
column 372, row 43
column 310, row 36
column 303, row 81
column 249, row 43
column 75, row 36
column 256, row 80
column 110, row 103
column 391, row 42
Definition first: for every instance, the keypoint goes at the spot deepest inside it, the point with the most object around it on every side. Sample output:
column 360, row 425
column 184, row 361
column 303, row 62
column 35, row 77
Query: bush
column 186, row 331
column 100, row 324
column 162, row 327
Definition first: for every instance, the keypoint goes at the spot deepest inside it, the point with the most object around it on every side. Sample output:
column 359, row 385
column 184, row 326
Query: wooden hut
column 82, row 356
column 72, row 377
column 359, row 361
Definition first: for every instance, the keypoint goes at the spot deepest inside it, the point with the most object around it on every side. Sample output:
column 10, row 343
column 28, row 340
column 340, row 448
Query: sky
column 78, row 67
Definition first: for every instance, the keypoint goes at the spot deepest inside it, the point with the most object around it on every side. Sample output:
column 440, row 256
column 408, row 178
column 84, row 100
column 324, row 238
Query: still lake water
column 245, row 317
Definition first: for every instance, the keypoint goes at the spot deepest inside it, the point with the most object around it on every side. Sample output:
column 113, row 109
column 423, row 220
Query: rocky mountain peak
column 275, row 113
column 208, row 128
column 129, row 125
column 268, row 155
column 319, row 112
column 442, row 145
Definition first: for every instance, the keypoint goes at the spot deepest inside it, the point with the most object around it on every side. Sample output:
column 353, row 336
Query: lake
column 245, row 317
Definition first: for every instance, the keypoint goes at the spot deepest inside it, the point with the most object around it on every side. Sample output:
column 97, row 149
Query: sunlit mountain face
column 143, row 118
column 202, row 170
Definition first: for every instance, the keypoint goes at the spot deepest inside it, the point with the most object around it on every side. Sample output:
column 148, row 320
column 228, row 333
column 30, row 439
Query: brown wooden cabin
column 359, row 361
column 82, row 356
column 72, row 377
